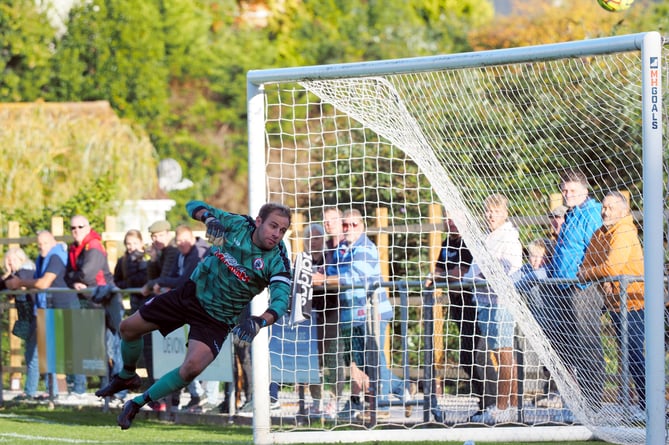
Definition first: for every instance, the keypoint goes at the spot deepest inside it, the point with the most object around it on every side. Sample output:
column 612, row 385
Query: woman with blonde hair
column 18, row 265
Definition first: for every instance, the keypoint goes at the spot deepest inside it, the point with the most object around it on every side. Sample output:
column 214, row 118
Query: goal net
column 413, row 144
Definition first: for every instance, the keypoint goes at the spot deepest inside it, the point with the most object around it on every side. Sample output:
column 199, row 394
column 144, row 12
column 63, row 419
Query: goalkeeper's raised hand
column 215, row 230
column 245, row 332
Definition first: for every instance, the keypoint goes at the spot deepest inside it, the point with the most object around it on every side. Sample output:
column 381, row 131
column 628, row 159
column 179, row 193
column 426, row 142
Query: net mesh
column 403, row 148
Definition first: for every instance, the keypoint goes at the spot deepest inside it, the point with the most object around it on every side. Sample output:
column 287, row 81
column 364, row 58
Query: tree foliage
column 178, row 67
column 650, row 15
column 25, row 50
column 95, row 200
column 535, row 23
column 336, row 31
column 113, row 50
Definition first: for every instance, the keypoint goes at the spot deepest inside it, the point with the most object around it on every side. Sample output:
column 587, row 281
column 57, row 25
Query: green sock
column 166, row 385
column 130, row 352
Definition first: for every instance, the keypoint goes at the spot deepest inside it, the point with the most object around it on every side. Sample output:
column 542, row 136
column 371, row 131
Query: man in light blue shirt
column 356, row 264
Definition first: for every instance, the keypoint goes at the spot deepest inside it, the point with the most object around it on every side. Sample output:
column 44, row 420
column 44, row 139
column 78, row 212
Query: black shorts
column 180, row 306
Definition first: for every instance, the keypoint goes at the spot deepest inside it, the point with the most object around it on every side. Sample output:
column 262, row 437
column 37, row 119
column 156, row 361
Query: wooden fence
column 379, row 232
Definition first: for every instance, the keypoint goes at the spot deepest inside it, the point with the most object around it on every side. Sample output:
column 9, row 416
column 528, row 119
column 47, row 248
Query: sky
column 502, row 6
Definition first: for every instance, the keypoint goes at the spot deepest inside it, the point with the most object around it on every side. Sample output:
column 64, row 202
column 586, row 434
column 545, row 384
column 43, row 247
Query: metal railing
column 402, row 289
column 5, row 305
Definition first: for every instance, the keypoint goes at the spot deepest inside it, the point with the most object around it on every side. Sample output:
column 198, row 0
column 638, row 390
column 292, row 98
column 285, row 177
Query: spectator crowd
column 588, row 244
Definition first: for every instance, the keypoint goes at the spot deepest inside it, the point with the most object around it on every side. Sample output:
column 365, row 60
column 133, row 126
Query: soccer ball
column 615, row 5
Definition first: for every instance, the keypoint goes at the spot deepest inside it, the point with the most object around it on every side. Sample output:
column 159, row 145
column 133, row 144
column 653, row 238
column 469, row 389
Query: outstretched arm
column 202, row 212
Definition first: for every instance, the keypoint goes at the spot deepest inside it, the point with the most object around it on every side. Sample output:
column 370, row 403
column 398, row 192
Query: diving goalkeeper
column 247, row 255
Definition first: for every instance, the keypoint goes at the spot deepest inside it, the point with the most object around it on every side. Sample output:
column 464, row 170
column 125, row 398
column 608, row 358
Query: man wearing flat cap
column 556, row 217
column 163, row 254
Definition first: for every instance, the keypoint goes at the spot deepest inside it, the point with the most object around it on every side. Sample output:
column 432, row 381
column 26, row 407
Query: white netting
column 394, row 147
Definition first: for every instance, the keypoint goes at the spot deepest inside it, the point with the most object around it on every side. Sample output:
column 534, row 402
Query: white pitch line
column 50, row 439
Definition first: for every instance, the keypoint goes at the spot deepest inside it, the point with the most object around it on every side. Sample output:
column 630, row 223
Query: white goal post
column 394, row 138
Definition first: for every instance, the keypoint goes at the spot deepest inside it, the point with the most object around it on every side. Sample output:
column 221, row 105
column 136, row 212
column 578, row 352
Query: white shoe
column 246, row 410
column 550, row 401
column 409, row 394
column 493, row 415
column 505, row 415
column 637, row 415
column 75, row 397
column 330, row 410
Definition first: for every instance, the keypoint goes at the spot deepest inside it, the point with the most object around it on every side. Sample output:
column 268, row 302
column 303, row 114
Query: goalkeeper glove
column 246, row 331
column 215, row 230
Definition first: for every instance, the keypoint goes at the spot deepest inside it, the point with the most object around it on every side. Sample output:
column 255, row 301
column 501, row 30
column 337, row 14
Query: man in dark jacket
column 163, row 255
column 191, row 250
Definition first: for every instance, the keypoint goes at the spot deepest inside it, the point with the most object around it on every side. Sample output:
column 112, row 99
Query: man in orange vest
column 615, row 250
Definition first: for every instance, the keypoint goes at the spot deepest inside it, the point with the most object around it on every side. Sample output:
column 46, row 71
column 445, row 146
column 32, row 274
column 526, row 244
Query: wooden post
column 383, row 244
column 15, row 356
column 13, row 231
column 111, row 246
column 57, row 228
column 555, row 200
column 436, row 219
column 297, row 228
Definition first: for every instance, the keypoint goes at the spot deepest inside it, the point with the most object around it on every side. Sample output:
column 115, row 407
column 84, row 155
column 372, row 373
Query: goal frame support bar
column 592, row 47
column 653, row 199
column 650, row 45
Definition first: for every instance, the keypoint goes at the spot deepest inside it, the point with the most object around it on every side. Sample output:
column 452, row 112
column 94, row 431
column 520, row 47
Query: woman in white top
column 494, row 321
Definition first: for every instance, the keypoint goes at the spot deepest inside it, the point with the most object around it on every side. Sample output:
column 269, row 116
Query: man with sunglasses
column 87, row 259
column 356, row 264
column 87, row 266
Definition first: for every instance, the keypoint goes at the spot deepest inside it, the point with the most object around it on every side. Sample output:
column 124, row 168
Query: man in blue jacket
column 574, row 326
column 50, row 268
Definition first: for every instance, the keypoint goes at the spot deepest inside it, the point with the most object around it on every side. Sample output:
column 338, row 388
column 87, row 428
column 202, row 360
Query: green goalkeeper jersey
column 230, row 276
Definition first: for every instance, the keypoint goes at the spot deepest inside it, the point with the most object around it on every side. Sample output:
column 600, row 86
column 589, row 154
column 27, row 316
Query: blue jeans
column 32, row 363
column 113, row 342
column 194, row 389
column 496, row 325
column 78, row 383
column 574, row 329
column 273, row 392
column 635, row 343
column 389, row 383
column 356, row 346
